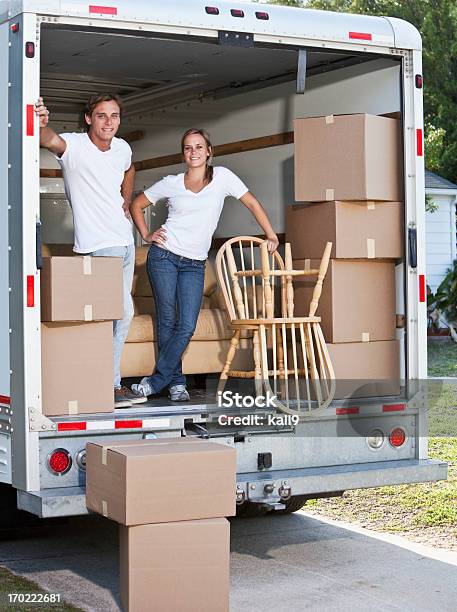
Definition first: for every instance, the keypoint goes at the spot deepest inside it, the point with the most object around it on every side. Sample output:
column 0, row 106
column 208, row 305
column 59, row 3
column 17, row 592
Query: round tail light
column 376, row 439
column 59, row 461
column 397, row 437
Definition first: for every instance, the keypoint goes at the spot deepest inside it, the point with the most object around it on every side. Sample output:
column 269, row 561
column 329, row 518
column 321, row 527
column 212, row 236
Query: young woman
column 178, row 252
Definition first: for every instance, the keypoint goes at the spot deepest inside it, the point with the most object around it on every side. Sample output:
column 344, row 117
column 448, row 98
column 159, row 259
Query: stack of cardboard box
column 347, row 168
column 171, row 497
column 80, row 298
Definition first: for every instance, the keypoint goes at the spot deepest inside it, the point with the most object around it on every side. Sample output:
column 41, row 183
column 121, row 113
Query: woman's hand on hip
column 159, row 236
column 272, row 242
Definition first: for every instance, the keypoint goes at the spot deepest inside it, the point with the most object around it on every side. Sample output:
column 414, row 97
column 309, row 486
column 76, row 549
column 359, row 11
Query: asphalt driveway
column 278, row 563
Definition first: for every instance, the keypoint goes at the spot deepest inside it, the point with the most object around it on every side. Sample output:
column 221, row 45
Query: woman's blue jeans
column 177, row 285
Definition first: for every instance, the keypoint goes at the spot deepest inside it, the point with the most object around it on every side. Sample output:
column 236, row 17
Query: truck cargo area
column 246, row 89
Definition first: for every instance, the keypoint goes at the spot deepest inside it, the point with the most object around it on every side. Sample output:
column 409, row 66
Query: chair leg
column 228, row 362
column 257, row 364
column 281, row 369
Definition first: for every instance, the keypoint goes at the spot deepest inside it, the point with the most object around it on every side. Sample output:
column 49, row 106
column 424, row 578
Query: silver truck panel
column 71, row 501
column 283, row 21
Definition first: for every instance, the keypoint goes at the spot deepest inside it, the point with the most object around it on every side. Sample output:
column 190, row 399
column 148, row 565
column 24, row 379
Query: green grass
column 413, row 508
column 442, row 359
column 10, row 583
column 425, row 512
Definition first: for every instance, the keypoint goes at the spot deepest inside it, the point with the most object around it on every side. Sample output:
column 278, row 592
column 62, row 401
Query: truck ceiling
column 151, row 71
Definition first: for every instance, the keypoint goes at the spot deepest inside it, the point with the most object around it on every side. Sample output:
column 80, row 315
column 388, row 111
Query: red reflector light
column 393, row 407
column 360, row 36
column 29, row 120
column 421, row 287
column 397, row 437
column 237, row 13
column 350, row 410
column 419, row 142
column 4, row 399
column 30, row 291
column 102, row 10
column 260, row 15
column 419, row 81
column 15, row 28
column 29, row 49
column 78, row 426
column 128, row 424
column 212, row 10
column 60, row 461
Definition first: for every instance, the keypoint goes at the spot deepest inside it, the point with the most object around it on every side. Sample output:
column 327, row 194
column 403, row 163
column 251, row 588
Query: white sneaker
column 179, row 393
column 143, row 388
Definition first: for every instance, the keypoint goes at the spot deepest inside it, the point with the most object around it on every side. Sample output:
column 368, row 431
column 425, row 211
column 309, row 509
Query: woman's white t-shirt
column 93, row 181
column 193, row 217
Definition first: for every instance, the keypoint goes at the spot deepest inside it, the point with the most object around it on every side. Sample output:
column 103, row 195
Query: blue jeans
column 121, row 327
column 177, row 285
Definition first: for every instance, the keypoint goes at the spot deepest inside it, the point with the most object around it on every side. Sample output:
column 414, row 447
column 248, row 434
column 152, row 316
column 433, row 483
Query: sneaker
column 143, row 388
column 132, row 396
column 179, row 393
column 120, row 399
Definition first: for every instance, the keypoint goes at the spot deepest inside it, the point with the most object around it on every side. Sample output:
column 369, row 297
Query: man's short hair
column 101, row 97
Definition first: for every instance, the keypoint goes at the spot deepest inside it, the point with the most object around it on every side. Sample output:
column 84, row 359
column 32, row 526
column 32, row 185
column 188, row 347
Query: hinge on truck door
column 39, row 422
column 236, row 39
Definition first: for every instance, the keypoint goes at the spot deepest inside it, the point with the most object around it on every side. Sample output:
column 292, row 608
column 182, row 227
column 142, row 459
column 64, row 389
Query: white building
column 440, row 228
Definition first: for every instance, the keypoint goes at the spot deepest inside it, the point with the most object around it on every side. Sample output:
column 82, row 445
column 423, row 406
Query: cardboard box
column 158, row 481
column 77, row 368
column 357, row 303
column 356, row 229
column 171, row 567
column 347, row 157
column 82, row 289
column 366, row 369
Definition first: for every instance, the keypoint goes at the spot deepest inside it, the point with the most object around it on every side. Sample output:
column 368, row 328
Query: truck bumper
column 71, row 501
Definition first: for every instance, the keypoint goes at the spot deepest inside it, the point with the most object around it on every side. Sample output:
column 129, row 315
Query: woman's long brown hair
column 209, row 168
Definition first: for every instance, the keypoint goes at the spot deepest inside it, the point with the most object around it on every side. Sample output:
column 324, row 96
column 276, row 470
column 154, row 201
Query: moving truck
column 244, row 72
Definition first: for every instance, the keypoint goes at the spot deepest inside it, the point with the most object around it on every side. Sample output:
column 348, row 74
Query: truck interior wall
column 268, row 172
column 368, row 87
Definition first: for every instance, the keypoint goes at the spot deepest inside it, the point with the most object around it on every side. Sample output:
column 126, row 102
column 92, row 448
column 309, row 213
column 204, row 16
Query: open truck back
column 234, row 68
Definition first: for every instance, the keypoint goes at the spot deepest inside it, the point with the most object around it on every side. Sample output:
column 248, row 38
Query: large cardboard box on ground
column 366, row 369
column 357, row 303
column 178, row 566
column 77, row 368
column 356, row 229
column 81, row 289
column 157, row 481
column 347, row 157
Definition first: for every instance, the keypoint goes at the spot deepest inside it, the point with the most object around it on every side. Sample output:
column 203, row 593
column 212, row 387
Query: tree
column 437, row 22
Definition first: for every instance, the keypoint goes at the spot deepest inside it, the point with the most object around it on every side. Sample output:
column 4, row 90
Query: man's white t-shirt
column 193, row 217
column 93, row 181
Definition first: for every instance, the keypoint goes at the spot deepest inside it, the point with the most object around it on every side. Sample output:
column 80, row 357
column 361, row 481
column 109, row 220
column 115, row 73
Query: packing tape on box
column 104, row 508
column 370, row 206
column 329, row 194
column 73, row 407
column 365, row 337
column 87, row 264
column 105, row 450
column 88, row 312
column 329, row 119
column 371, row 248
column 307, row 264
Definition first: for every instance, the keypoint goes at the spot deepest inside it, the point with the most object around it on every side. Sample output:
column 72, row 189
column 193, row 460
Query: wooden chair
column 238, row 271
column 283, row 345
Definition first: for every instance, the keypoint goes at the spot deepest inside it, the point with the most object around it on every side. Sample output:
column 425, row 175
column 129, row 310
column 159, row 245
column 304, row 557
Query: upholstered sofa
column 208, row 348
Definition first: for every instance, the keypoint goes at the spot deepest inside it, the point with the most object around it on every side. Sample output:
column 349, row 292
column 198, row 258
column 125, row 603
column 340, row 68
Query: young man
column 99, row 175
